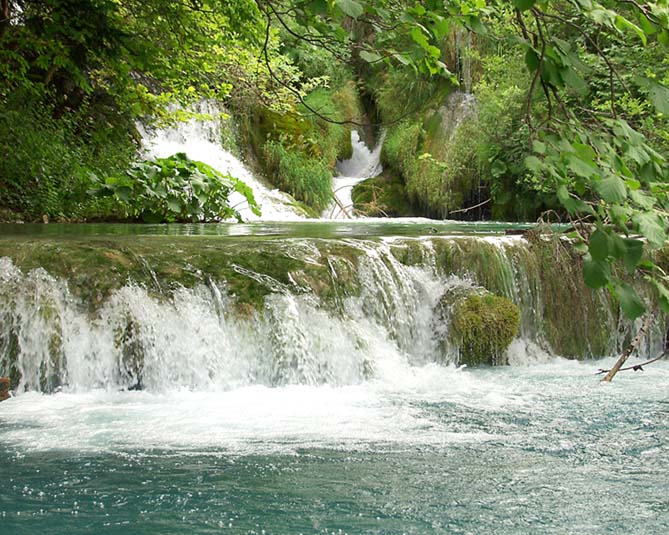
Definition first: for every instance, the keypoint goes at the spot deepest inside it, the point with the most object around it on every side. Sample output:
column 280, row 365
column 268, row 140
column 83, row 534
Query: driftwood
column 638, row 367
column 343, row 208
column 610, row 374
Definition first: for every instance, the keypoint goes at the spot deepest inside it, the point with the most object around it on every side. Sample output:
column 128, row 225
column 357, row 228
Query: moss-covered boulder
column 476, row 325
column 382, row 196
column 484, row 326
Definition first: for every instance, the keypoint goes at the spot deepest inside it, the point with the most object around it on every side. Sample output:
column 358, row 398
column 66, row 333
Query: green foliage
column 484, row 326
column 307, row 179
column 46, row 158
column 140, row 53
column 174, row 189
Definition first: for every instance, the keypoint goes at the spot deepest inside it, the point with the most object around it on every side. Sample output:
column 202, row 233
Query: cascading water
column 363, row 164
column 201, row 139
column 230, row 382
column 335, row 312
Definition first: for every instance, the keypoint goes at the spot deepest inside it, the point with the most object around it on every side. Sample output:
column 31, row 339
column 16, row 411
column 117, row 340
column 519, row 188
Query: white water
column 389, row 412
column 193, row 338
column 363, row 164
column 201, row 141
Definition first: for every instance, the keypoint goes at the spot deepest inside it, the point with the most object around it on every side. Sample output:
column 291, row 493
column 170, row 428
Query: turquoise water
column 385, row 444
column 428, row 450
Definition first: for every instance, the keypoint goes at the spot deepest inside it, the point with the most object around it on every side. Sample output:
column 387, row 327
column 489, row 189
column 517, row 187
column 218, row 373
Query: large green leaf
column 599, row 245
column 611, row 189
column 659, row 96
column 370, row 57
column 630, row 301
column 650, row 225
column 350, row 7
column 524, row 5
column 633, row 253
column 595, row 273
column 580, row 167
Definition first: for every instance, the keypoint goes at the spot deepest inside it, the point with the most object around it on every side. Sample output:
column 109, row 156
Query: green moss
column 384, row 195
column 483, row 327
column 577, row 321
column 297, row 150
column 249, row 269
column 409, row 253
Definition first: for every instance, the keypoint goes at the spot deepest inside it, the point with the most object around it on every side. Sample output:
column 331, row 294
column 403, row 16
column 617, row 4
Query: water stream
column 363, row 164
column 201, row 139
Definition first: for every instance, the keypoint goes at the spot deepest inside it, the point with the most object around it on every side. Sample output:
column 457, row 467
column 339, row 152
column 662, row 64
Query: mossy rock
column 382, row 196
column 483, row 326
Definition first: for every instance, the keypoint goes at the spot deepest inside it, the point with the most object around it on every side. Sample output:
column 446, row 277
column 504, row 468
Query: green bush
column 47, row 154
column 307, row 179
column 173, row 189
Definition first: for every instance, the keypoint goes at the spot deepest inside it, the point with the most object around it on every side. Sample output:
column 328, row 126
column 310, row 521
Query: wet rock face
column 4, row 388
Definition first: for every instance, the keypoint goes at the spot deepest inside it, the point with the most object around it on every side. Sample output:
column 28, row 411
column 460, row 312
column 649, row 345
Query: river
column 298, row 377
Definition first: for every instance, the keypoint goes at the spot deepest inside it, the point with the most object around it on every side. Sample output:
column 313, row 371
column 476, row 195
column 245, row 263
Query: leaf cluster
column 174, row 189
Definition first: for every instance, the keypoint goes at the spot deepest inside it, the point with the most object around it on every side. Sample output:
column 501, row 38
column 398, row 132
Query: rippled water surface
column 525, row 449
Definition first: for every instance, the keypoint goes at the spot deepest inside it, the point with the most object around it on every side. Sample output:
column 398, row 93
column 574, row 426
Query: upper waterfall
column 200, row 139
column 363, row 164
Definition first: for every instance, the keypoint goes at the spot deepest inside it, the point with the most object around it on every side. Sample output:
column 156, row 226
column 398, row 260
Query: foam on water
column 374, row 414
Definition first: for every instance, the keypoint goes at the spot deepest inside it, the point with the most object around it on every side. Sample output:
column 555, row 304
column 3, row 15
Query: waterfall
column 363, row 164
column 201, row 140
column 205, row 314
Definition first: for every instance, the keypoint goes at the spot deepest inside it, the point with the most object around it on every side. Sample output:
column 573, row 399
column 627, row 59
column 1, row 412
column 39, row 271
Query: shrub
column 48, row 153
column 173, row 189
column 307, row 179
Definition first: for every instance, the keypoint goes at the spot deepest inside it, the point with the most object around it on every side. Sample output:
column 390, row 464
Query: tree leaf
column 596, row 274
column 580, row 167
column 531, row 59
column 575, row 81
column 633, row 253
column 350, row 7
column 630, row 301
column 651, row 227
column 370, row 57
column 533, row 163
column 612, row 189
column 524, row 5
column 659, row 96
column 599, row 246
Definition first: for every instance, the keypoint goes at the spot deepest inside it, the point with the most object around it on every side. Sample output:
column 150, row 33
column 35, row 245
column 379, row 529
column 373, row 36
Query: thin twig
column 637, row 367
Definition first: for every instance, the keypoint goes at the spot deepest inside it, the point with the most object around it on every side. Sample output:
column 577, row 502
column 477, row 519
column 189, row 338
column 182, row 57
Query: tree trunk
column 5, row 16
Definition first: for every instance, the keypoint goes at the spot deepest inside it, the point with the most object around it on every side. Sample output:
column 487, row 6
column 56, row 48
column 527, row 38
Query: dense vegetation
column 568, row 119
